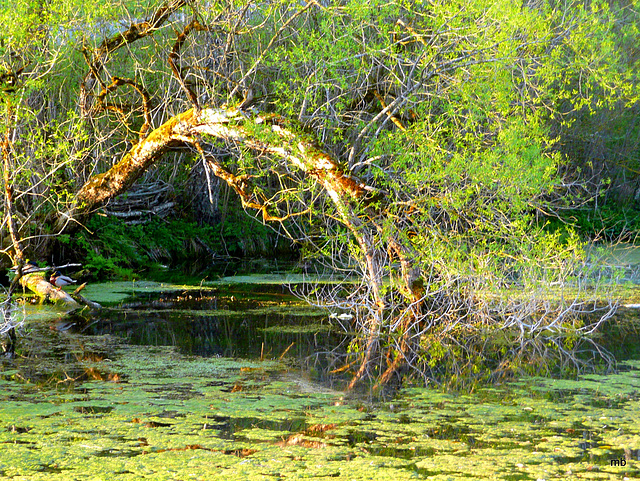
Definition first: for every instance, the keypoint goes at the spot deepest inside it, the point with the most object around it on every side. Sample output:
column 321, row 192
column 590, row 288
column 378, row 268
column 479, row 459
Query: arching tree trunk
column 276, row 137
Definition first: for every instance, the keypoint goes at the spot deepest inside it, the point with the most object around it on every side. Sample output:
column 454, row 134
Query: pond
column 225, row 382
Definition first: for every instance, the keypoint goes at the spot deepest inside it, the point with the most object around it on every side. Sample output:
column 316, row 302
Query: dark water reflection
column 208, row 324
column 267, row 323
column 78, row 392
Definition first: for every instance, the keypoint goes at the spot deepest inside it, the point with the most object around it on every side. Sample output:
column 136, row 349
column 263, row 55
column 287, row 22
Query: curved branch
column 146, row 110
column 102, row 187
column 242, row 186
column 278, row 138
column 174, row 56
column 100, row 55
column 265, row 134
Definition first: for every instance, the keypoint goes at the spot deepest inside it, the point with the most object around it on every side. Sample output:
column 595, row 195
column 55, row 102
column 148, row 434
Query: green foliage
column 590, row 90
column 111, row 252
column 610, row 222
column 480, row 154
column 113, row 249
column 458, row 117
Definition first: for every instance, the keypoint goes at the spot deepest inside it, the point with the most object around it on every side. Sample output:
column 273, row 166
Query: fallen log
column 83, row 300
column 45, row 290
column 34, row 280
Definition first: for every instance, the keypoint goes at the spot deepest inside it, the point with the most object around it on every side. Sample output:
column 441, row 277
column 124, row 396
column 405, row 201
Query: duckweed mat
column 103, row 402
column 152, row 413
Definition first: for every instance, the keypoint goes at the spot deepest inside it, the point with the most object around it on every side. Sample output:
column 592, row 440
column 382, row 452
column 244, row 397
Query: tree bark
column 7, row 162
column 38, row 284
column 274, row 135
column 102, row 187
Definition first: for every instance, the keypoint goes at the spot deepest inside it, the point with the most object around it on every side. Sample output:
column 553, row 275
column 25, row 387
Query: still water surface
column 225, row 384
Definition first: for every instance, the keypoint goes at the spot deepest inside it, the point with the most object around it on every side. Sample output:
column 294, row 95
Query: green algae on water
column 182, row 417
column 80, row 406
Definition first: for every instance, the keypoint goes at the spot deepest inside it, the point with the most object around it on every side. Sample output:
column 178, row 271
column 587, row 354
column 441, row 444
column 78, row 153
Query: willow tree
column 406, row 146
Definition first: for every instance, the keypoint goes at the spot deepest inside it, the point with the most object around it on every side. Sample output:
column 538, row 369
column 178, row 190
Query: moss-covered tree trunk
column 274, row 136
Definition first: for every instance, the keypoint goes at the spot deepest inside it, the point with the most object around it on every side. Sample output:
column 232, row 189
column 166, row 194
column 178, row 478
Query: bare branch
column 177, row 70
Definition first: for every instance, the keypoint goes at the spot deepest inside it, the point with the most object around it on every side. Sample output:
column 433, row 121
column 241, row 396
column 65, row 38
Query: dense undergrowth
column 110, row 248
column 611, row 223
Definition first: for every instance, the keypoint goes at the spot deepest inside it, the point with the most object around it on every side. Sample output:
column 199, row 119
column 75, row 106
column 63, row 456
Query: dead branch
column 146, row 102
column 45, row 290
column 98, row 58
column 177, row 70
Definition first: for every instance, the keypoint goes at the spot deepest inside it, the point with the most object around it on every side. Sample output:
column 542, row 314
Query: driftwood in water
column 142, row 202
column 83, row 300
column 36, row 281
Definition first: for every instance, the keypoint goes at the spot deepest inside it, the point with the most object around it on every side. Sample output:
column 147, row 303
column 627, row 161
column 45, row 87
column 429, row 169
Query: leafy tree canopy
column 413, row 143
